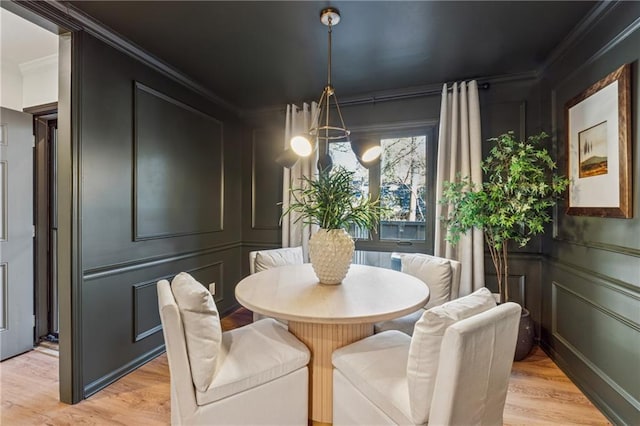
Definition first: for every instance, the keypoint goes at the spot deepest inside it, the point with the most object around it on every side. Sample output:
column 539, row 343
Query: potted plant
column 511, row 204
column 334, row 204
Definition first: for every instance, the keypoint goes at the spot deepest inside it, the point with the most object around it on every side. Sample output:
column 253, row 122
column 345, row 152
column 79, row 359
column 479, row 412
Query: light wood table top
column 368, row 294
column 326, row 317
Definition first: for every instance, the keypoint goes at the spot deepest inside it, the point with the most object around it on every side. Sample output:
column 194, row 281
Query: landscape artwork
column 592, row 151
column 599, row 148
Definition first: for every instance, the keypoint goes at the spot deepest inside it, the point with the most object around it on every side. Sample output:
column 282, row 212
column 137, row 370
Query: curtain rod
column 400, row 96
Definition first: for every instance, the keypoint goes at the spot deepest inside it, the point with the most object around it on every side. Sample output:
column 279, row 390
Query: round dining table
column 326, row 317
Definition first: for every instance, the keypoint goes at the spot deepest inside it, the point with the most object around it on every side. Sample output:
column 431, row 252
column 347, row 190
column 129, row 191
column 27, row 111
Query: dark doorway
column 45, row 126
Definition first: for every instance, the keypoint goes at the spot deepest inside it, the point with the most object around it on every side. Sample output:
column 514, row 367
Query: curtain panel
column 297, row 121
column 460, row 152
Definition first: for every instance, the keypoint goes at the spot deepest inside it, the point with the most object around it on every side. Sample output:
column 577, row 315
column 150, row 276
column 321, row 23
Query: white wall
column 10, row 85
column 28, row 63
column 40, row 81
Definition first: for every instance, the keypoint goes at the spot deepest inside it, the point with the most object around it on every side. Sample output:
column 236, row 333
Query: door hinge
column 33, row 320
column 33, row 231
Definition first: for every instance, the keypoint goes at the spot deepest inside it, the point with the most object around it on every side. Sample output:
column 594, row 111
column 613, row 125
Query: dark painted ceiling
column 263, row 54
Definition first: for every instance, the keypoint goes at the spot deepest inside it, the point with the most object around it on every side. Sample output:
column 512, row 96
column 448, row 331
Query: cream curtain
column 298, row 120
column 460, row 151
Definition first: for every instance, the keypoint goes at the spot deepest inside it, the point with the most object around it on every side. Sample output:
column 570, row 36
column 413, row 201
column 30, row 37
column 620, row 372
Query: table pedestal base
column 322, row 340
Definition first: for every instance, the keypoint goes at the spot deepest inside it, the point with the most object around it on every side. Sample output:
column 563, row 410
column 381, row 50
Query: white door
column 16, row 233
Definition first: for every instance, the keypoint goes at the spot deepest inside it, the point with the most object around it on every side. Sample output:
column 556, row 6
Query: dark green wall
column 581, row 281
column 159, row 194
column 590, row 291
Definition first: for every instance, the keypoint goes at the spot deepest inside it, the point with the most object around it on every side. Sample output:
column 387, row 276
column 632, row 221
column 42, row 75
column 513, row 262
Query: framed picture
column 598, row 126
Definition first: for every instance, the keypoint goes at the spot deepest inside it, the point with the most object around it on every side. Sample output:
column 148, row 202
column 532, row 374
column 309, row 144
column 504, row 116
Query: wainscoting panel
column 178, row 168
column 525, row 275
column 579, row 322
column 146, row 318
column 516, row 286
column 124, row 312
column 595, row 335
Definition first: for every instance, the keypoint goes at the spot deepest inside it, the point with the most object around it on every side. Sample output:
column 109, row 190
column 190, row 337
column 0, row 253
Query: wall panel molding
column 594, row 387
column 146, row 318
column 609, row 46
column 104, row 381
column 125, row 267
column 612, row 283
column 218, row 280
column 76, row 19
column 595, row 15
column 265, row 211
column 517, row 286
column 261, row 244
column 178, row 162
column 577, row 320
column 628, row 251
column 594, row 304
column 144, row 324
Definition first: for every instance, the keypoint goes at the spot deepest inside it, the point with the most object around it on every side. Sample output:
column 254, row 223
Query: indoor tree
column 511, row 204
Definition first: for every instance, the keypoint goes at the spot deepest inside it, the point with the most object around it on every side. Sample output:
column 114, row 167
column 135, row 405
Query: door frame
column 53, row 17
column 45, row 119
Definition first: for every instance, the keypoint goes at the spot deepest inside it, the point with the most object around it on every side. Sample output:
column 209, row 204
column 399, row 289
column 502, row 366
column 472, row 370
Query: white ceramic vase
column 331, row 251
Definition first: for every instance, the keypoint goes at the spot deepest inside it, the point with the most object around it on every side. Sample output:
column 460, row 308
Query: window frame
column 429, row 130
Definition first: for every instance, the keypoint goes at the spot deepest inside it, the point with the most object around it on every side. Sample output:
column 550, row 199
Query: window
column 404, row 180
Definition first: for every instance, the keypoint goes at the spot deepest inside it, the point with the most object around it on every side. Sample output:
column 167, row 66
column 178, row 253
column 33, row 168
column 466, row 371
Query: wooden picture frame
column 598, row 142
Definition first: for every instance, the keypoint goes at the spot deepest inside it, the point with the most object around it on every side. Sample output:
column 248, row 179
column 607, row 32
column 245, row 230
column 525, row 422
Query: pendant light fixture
column 323, row 130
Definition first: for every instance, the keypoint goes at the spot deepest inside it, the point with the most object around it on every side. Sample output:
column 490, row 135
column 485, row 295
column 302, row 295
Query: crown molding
column 595, row 15
column 39, row 63
column 81, row 21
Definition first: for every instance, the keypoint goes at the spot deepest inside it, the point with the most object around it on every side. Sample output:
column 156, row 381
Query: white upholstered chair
column 256, row 374
column 261, row 260
column 454, row 370
column 441, row 275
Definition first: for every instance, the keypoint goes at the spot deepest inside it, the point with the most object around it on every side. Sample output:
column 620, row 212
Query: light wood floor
column 539, row 393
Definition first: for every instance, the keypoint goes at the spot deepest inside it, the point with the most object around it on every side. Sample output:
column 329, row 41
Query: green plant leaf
column 512, row 202
column 332, row 202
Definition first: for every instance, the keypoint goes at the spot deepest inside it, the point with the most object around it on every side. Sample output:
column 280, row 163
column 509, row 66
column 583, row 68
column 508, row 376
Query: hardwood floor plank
column 539, row 393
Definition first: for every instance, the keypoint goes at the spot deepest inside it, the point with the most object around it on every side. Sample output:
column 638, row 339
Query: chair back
column 474, row 368
column 183, row 400
column 441, row 275
column 260, row 260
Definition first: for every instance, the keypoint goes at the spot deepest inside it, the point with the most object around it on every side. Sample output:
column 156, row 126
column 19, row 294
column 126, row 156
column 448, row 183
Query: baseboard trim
column 105, row 381
column 569, row 369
